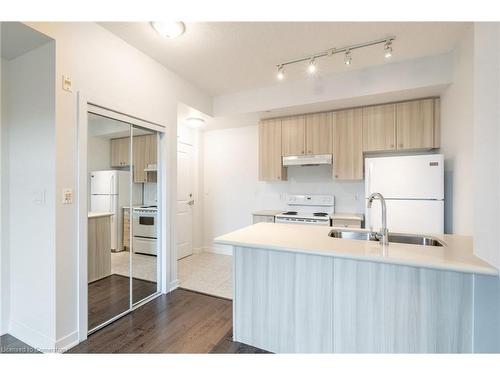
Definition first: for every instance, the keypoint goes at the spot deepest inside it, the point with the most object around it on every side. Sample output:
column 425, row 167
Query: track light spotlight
column 311, row 68
column 281, row 73
column 348, row 57
column 388, row 49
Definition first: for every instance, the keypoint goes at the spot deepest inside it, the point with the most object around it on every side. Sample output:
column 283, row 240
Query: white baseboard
column 197, row 250
column 219, row 249
column 32, row 337
column 67, row 342
column 173, row 285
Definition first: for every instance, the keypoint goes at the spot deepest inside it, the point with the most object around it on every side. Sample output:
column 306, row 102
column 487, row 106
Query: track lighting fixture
column 348, row 57
column 346, row 50
column 388, row 49
column 281, row 73
column 311, row 68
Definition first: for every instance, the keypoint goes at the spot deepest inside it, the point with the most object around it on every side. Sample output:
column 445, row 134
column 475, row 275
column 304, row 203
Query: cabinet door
column 348, row 144
column 120, row 152
column 139, row 157
column 151, row 146
column 270, row 162
column 293, row 136
column 437, row 123
column 415, row 124
column 379, row 128
column 319, row 133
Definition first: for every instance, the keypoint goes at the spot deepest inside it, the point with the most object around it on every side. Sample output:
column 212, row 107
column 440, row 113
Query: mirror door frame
column 85, row 105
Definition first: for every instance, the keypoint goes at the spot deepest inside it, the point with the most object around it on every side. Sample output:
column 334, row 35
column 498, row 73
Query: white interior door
column 185, row 200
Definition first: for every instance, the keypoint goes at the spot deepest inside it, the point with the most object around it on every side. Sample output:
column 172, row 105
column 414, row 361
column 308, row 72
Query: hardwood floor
column 108, row 297
column 179, row 322
column 227, row 345
column 10, row 345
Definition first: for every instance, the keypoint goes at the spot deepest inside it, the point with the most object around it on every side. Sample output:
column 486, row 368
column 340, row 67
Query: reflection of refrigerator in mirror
column 109, row 192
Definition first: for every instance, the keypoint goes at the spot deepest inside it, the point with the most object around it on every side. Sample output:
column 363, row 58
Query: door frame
column 104, row 108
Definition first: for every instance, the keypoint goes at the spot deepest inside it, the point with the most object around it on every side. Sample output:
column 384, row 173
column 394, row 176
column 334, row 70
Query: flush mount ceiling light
column 312, row 67
column 169, row 30
column 195, row 122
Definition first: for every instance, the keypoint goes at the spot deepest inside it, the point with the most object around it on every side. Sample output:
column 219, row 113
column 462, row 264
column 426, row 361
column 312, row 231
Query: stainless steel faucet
column 383, row 235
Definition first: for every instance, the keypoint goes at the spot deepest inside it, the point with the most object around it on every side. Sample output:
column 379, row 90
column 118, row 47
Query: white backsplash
column 150, row 194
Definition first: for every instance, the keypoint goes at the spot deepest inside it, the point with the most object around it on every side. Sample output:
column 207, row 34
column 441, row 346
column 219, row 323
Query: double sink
column 411, row 239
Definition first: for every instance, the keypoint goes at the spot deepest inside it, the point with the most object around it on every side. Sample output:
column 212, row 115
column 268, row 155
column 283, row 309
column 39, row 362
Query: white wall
column 232, row 191
column 28, row 147
column 487, row 141
column 113, row 73
column 486, row 160
column 456, row 133
column 4, row 262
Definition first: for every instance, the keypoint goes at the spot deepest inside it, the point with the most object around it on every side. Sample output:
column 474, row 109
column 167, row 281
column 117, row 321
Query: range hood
column 307, row 160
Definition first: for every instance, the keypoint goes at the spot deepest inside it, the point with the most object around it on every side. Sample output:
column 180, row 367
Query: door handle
column 191, row 202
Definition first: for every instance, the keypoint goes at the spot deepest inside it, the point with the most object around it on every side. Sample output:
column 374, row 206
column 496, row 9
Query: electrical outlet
column 67, row 196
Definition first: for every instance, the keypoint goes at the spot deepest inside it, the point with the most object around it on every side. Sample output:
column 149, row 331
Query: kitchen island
column 297, row 290
column 99, row 245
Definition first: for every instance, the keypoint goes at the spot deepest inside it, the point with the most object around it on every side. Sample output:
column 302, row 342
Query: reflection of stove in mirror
column 144, row 226
column 308, row 209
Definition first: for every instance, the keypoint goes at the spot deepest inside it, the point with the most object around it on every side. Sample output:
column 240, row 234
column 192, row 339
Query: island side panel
column 99, row 248
column 383, row 308
column 288, row 302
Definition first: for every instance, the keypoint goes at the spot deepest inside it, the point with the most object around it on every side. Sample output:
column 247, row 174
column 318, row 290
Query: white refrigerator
column 110, row 192
column 413, row 187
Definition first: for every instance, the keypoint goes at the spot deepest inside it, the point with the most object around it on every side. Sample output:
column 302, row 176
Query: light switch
column 39, row 197
column 66, row 83
column 67, row 196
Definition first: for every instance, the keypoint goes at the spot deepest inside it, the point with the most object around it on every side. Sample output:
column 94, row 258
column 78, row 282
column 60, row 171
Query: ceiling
column 17, row 39
column 226, row 57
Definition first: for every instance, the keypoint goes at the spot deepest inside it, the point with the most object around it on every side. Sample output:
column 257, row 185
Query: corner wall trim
column 67, row 342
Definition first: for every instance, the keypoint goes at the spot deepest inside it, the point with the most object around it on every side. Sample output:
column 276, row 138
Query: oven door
column 144, row 224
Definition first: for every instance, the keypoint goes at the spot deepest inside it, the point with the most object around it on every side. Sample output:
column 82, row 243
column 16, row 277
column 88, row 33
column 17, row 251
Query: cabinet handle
column 336, row 176
column 279, row 177
column 391, row 145
column 302, row 151
column 401, row 145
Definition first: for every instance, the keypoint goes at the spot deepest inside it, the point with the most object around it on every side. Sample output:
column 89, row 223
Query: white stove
column 308, row 209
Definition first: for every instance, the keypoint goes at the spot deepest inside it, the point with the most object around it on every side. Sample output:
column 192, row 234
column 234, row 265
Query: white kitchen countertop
column 347, row 216
column 314, row 239
column 93, row 215
column 267, row 212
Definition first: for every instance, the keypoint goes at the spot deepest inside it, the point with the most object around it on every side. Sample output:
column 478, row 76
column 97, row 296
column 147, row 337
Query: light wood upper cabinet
column 144, row 153
column 415, row 124
column 270, row 162
column 293, row 136
column 379, row 128
column 139, row 156
column 120, row 152
column 437, row 122
column 319, row 133
column 348, row 144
